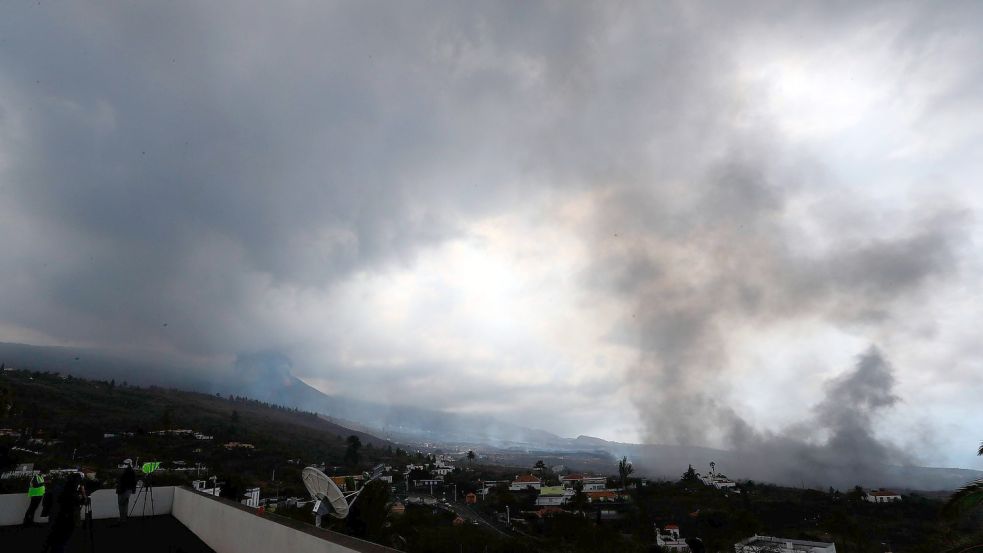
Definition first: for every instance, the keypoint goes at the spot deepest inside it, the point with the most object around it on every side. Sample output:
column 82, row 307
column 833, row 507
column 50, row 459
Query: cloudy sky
column 640, row 221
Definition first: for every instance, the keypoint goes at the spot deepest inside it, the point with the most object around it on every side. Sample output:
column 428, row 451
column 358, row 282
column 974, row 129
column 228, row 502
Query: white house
column 20, row 471
column 489, row 484
column 591, row 483
column 717, row 480
column 882, row 496
column 524, row 481
column 762, row 544
column 251, row 498
column 201, row 486
column 553, row 495
column 669, row 540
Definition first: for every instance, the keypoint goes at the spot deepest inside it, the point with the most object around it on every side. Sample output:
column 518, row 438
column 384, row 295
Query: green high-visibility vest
column 37, row 486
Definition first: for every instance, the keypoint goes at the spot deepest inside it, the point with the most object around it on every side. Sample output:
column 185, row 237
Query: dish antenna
column 323, row 489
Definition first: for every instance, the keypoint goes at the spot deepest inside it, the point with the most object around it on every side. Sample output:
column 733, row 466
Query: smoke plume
column 728, row 257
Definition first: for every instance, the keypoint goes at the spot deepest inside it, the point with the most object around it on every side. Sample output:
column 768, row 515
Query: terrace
column 183, row 521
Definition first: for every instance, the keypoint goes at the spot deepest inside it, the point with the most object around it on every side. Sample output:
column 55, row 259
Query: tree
column 967, row 497
column 351, row 453
column 540, row 465
column 471, row 457
column 6, row 401
column 579, row 500
column 166, row 418
column 690, row 475
column 625, row 469
column 368, row 516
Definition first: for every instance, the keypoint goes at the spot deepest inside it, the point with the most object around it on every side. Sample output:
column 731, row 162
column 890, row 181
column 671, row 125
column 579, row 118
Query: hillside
column 75, row 415
column 268, row 378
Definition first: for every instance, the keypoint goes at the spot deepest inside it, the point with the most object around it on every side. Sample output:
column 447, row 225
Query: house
column 718, row 481
column 602, row 495
column 544, row 512
column 487, row 485
column 595, row 483
column 524, row 481
column 201, row 486
column 590, row 483
column 347, row 483
column 251, row 498
column 669, row 540
column 20, row 471
column 442, row 471
column 553, row 495
column 424, row 482
column 882, row 496
column 763, row 544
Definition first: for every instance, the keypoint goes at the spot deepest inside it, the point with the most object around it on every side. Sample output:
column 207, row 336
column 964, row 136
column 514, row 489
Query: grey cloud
column 180, row 162
column 729, row 259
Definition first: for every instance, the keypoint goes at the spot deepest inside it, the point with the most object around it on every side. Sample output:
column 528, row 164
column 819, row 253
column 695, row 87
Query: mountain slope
column 266, row 378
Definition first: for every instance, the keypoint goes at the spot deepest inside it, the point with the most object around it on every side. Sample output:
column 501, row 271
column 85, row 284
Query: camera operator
column 66, row 513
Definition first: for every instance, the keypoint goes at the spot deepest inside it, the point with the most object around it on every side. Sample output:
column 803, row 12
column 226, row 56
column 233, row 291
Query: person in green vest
column 35, row 491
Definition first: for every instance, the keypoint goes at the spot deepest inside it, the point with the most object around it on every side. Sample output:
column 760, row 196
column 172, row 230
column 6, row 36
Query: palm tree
column 471, row 456
column 967, row 497
column 625, row 469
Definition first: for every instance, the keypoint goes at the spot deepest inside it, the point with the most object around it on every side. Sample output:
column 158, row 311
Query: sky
column 700, row 223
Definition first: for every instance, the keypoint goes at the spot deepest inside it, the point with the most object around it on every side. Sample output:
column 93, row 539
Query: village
column 449, row 482
column 235, row 455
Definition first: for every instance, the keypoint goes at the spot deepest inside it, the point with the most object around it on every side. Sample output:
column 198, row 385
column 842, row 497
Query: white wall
column 14, row 505
column 224, row 527
column 228, row 529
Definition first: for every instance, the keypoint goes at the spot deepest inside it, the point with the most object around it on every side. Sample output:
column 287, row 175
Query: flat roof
column 797, row 545
column 163, row 534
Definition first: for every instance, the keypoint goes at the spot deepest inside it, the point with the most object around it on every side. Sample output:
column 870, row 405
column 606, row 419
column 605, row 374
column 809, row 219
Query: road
column 460, row 509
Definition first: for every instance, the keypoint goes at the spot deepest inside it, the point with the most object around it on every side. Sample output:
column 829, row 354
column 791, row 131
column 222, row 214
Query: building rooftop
column 183, row 521
column 762, row 544
column 162, row 533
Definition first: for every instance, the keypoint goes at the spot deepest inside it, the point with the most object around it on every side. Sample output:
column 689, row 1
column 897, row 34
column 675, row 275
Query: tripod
column 147, row 490
column 87, row 522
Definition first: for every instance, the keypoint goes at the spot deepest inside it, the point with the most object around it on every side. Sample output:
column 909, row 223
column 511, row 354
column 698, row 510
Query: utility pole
column 276, row 485
column 508, row 517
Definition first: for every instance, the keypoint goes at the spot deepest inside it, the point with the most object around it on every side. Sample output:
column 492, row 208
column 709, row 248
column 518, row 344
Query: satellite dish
column 323, row 488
